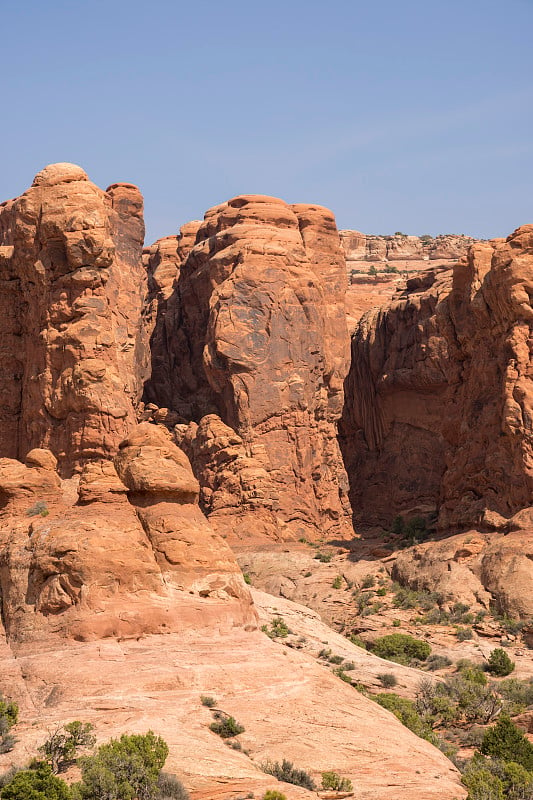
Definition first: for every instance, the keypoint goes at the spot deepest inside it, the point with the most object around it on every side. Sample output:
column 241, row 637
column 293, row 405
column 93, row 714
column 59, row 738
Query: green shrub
column 272, row 794
column 464, row 634
column 289, row 774
column 324, row 558
column 504, row 740
column 226, row 726
column 278, row 629
column 406, row 712
column 337, row 583
column 481, row 783
column 208, row 701
column 396, row 623
column 401, row 647
column 368, row 582
column 332, row 781
column 499, row 663
column 37, row 783
column 247, row 578
column 336, row 659
column 381, row 592
column 125, row 768
column 8, row 717
column 387, row 679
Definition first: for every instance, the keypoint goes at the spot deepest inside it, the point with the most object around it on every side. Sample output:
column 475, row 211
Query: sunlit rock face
column 73, row 355
column 250, row 328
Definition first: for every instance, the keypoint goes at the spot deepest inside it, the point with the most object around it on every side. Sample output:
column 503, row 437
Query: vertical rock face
column 438, row 412
column 255, row 333
column 73, row 357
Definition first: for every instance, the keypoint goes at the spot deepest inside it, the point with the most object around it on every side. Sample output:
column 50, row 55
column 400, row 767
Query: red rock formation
column 255, row 333
column 73, row 356
column 438, row 399
column 133, row 556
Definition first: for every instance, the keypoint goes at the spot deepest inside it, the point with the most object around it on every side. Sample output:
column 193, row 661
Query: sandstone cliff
column 438, row 398
column 250, row 345
column 73, row 356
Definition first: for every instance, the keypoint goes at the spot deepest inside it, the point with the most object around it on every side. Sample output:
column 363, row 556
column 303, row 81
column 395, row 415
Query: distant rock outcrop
column 254, row 333
column 73, row 356
column 438, row 414
column 401, row 252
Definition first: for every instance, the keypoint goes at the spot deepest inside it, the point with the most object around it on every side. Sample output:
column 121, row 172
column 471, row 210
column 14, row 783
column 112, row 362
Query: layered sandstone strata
column 439, row 395
column 401, row 252
column 73, row 356
column 254, row 334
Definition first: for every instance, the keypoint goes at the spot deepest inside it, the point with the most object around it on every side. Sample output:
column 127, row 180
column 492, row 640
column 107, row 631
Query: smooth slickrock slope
column 73, row 357
column 254, row 333
column 438, row 413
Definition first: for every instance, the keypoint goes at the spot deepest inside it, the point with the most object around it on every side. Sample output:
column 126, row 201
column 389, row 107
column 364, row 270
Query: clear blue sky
column 399, row 115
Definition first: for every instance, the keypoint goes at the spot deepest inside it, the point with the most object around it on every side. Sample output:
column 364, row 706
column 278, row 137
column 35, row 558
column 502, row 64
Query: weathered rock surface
column 490, row 571
column 438, row 398
column 291, row 707
column 254, row 332
column 134, row 556
column 73, row 355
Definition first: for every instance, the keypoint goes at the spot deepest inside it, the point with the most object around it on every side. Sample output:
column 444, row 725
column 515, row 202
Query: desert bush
column 381, row 592
column 337, row 583
column 272, row 794
column 247, row 578
column 127, row 768
column 464, row 634
column 8, row 717
column 36, row 783
column 289, row 774
column 387, row 679
column 208, row 701
column 336, row 659
column 499, row 663
column 481, row 783
column 517, row 695
column 170, row 788
column 278, row 628
column 368, row 582
column 332, row 781
column 37, row 509
column 401, row 647
column 435, row 662
column 226, row 726
column 504, row 740
column 324, row 558
column 406, row 712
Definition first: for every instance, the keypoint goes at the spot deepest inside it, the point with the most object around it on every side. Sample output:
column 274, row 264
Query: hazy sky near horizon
column 412, row 116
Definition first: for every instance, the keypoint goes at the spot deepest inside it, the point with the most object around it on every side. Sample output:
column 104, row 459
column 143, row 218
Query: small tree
column 504, row 740
column 499, row 663
column 61, row 747
column 124, row 769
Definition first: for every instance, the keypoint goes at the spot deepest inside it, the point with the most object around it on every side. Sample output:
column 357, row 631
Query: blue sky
column 413, row 116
